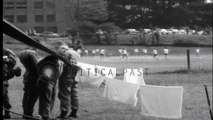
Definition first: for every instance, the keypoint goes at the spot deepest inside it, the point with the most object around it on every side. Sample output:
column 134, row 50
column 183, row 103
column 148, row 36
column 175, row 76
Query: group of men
column 40, row 79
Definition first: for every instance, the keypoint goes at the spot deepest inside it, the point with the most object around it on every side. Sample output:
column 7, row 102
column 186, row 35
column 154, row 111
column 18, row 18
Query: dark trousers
column 46, row 98
column 6, row 103
column 29, row 99
column 68, row 94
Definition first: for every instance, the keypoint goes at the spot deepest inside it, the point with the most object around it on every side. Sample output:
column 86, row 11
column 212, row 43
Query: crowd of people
column 124, row 53
column 40, row 79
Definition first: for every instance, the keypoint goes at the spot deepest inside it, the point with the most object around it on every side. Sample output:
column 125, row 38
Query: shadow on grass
column 185, row 71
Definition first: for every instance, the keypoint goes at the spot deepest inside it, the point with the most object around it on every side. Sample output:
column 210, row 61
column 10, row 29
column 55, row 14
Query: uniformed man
column 67, row 84
column 9, row 62
column 48, row 74
column 29, row 58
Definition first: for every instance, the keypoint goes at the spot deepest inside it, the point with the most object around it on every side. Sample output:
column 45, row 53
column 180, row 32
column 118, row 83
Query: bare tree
column 83, row 10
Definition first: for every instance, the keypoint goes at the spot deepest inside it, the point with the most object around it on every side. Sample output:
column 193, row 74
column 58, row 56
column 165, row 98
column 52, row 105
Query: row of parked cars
column 47, row 34
column 167, row 31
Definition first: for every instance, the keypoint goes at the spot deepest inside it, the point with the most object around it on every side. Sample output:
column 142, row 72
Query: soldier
column 29, row 58
column 67, row 83
column 9, row 62
column 49, row 72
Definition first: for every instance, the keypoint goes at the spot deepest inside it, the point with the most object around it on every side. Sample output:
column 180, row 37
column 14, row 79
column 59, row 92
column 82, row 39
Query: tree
column 84, row 10
column 161, row 13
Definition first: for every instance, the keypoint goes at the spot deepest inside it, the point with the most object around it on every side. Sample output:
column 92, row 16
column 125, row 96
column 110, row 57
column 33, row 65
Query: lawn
column 94, row 107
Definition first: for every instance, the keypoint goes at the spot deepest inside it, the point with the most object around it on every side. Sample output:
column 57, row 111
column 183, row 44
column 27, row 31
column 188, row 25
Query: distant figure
column 145, row 52
column 86, row 52
column 165, row 52
column 136, row 51
column 102, row 53
column 72, row 34
column 124, row 54
column 198, row 52
column 94, row 52
column 156, row 36
column 120, row 51
column 97, row 51
column 99, row 33
column 155, row 53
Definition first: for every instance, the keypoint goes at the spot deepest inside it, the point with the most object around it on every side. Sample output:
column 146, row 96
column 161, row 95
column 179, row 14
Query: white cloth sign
column 161, row 101
column 106, row 71
column 118, row 90
column 89, row 75
column 134, row 76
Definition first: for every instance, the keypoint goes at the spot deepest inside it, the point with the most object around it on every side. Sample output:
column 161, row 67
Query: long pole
column 17, row 34
column 188, row 58
column 207, row 95
column 29, row 117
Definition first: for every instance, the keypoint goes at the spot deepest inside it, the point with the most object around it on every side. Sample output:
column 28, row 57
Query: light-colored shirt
column 144, row 51
column 124, row 52
column 136, row 50
column 102, row 51
column 197, row 50
column 155, row 52
column 166, row 51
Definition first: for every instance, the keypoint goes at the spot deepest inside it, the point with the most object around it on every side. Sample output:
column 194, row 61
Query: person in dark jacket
column 48, row 74
column 29, row 58
column 9, row 62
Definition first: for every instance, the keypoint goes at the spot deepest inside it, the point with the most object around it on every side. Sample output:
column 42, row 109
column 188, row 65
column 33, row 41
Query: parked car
column 131, row 31
column 63, row 35
column 48, row 34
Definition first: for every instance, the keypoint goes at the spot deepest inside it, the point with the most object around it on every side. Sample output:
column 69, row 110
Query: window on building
column 21, row 18
column 21, row 5
column 9, row 18
column 52, row 29
column 50, row 18
column 9, row 5
column 38, row 4
column 39, row 29
column 39, row 18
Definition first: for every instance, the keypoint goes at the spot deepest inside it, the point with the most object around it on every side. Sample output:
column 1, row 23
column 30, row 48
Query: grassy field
column 171, row 72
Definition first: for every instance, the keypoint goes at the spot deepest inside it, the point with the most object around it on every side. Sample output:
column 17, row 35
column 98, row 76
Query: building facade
column 40, row 15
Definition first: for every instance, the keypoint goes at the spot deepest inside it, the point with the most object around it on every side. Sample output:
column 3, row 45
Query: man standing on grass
column 67, row 84
column 165, row 52
column 145, row 52
column 48, row 74
column 9, row 62
column 155, row 53
column 102, row 53
column 124, row 54
column 29, row 58
column 197, row 52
